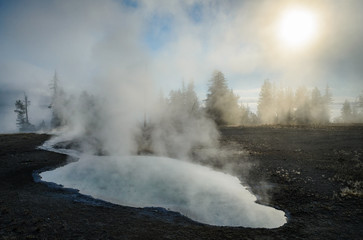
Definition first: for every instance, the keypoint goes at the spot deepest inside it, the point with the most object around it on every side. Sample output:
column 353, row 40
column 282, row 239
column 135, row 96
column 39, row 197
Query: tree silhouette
column 179, row 124
column 265, row 109
column 221, row 103
column 22, row 119
column 360, row 100
column 346, row 112
column 247, row 117
column 316, row 106
column 20, row 110
column 191, row 99
column 183, row 101
column 302, row 105
column 58, row 103
column 351, row 112
column 327, row 100
column 289, row 98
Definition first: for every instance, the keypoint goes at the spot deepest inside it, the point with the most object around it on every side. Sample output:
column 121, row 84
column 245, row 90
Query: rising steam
column 174, row 127
column 166, row 126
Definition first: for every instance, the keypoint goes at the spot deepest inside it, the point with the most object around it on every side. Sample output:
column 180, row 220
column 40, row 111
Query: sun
column 297, row 27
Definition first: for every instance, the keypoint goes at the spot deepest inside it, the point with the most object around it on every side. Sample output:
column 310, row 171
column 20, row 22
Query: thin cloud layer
column 116, row 47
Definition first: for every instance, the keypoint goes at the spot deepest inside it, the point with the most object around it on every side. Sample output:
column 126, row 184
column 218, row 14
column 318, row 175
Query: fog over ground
column 117, row 48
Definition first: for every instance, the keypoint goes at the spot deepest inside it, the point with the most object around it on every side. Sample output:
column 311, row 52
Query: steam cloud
column 177, row 128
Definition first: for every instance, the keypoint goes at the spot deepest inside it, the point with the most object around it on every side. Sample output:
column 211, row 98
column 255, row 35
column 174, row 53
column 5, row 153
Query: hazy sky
column 161, row 43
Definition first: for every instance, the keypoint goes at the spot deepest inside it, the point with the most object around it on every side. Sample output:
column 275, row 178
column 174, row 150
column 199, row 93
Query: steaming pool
column 198, row 192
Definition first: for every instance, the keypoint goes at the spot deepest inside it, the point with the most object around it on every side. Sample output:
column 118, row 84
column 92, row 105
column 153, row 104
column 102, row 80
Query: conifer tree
column 57, row 103
column 346, row 112
column 22, row 119
column 20, row 110
column 221, row 103
column 265, row 110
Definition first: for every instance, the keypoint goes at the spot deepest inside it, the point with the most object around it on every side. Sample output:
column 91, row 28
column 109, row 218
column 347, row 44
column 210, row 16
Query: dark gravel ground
column 315, row 174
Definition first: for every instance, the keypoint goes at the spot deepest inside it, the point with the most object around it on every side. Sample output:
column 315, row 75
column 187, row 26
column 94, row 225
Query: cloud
column 95, row 44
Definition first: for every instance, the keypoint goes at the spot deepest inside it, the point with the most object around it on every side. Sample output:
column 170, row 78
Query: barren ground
column 315, row 174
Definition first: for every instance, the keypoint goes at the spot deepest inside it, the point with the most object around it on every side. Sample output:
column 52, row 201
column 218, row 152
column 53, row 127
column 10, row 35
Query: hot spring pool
column 198, row 192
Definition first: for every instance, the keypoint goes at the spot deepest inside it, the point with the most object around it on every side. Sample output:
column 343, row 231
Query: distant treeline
column 284, row 106
column 276, row 105
column 352, row 112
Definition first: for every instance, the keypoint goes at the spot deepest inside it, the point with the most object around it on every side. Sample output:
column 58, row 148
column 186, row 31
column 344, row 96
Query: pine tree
column 22, row 119
column 319, row 106
column 245, row 115
column 346, row 112
column 232, row 114
column 191, row 99
column 20, row 110
column 360, row 100
column 289, row 98
column 56, row 104
column 328, row 99
column 184, row 100
column 280, row 106
column 316, row 106
column 302, row 106
column 221, row 103
column 266, row 108
column 216, row 91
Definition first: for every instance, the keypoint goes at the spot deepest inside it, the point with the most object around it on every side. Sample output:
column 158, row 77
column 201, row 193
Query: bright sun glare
column 297, row 27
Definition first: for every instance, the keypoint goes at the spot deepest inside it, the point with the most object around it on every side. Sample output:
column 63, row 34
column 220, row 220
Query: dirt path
column 316, row 174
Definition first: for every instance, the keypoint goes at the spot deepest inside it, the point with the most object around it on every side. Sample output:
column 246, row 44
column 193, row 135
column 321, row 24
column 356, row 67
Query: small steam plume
column 180, row 125
column 174, row 126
